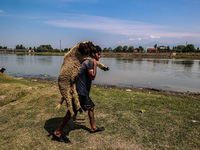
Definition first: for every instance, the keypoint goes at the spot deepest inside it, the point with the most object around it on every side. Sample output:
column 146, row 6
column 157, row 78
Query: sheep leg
column 76, row 98
column 102, row 66
column 67, row 96
column 60, row 103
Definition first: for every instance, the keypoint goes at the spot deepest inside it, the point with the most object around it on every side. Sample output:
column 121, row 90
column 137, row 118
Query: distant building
column 31, row 50
column 144, row 51
column 162, row 48
column 137, row 50
column 152, row 50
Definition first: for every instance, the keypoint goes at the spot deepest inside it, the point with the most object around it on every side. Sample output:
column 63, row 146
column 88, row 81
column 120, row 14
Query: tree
column 109, row 49
column 155, row 46
column 130, row 49
column 189, row 48
column 105, row 49
column 168, row 49
column 119, row 49
column 125, row 48
column 44, row 48
column 66, row 50
column 179, row 48
column 56, row 50
column 141, row 48
column 1, row 47
column 20, row 47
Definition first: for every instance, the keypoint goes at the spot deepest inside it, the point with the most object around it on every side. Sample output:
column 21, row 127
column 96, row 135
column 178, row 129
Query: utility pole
column 60, row 45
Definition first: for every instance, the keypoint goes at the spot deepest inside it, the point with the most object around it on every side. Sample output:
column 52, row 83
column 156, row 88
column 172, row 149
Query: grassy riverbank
column 126, row 55
column 152, row 55
column 171, row 120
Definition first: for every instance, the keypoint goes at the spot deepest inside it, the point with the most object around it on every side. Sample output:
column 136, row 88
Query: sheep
column 69, row 72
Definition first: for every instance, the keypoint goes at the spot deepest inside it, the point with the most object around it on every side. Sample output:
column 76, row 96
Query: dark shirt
column 83, row 83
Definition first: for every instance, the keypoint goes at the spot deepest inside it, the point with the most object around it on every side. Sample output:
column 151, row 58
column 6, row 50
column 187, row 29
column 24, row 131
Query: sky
column 107, row 23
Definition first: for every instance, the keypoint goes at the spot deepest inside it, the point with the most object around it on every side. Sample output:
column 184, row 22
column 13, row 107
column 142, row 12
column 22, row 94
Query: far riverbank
column 123, row 54
column 152, row 55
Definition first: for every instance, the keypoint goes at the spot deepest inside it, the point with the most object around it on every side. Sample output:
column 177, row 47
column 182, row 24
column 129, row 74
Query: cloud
column 154, row 37
column 120, row 27
column 1, row 11
column 135, row 39
column 105, row 24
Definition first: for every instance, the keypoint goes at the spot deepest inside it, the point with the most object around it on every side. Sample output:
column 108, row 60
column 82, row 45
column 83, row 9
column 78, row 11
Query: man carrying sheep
column 86, row 74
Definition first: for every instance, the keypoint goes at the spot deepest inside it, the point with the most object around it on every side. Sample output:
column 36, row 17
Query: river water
column 165, row 74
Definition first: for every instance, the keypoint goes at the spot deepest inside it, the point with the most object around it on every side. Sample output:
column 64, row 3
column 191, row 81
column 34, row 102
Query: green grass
column 168, row 122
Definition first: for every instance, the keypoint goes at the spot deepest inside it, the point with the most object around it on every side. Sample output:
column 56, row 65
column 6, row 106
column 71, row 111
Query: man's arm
column 92, row 73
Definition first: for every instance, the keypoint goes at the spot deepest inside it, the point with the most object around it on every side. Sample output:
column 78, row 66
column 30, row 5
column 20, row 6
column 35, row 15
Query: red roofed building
column 152, row 50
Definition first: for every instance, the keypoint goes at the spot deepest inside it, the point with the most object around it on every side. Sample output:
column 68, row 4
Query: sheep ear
column 90, row 44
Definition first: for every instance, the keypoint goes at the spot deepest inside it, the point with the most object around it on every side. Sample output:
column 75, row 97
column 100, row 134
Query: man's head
column 95, row 52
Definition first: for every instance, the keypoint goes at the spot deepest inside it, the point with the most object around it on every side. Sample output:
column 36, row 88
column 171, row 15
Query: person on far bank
column 86, row 74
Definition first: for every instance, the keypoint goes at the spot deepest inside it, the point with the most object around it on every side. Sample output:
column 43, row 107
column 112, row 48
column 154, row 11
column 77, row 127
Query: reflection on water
column 21, row 59
column 31, row 65
column 43, row 60
column 185, row 63
column 166, row 74
column 154, row 61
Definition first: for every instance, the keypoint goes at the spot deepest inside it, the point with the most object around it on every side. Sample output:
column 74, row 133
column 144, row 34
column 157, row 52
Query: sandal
column 61, row 138
column 98, row 130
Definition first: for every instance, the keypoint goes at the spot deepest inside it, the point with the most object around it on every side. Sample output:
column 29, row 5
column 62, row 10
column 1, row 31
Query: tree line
column 41, row 48
column 187, row 48
column 49, row 48
column 179, row 48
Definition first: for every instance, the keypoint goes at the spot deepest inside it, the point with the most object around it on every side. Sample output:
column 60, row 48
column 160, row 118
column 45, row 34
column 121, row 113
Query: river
column 166, row 74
